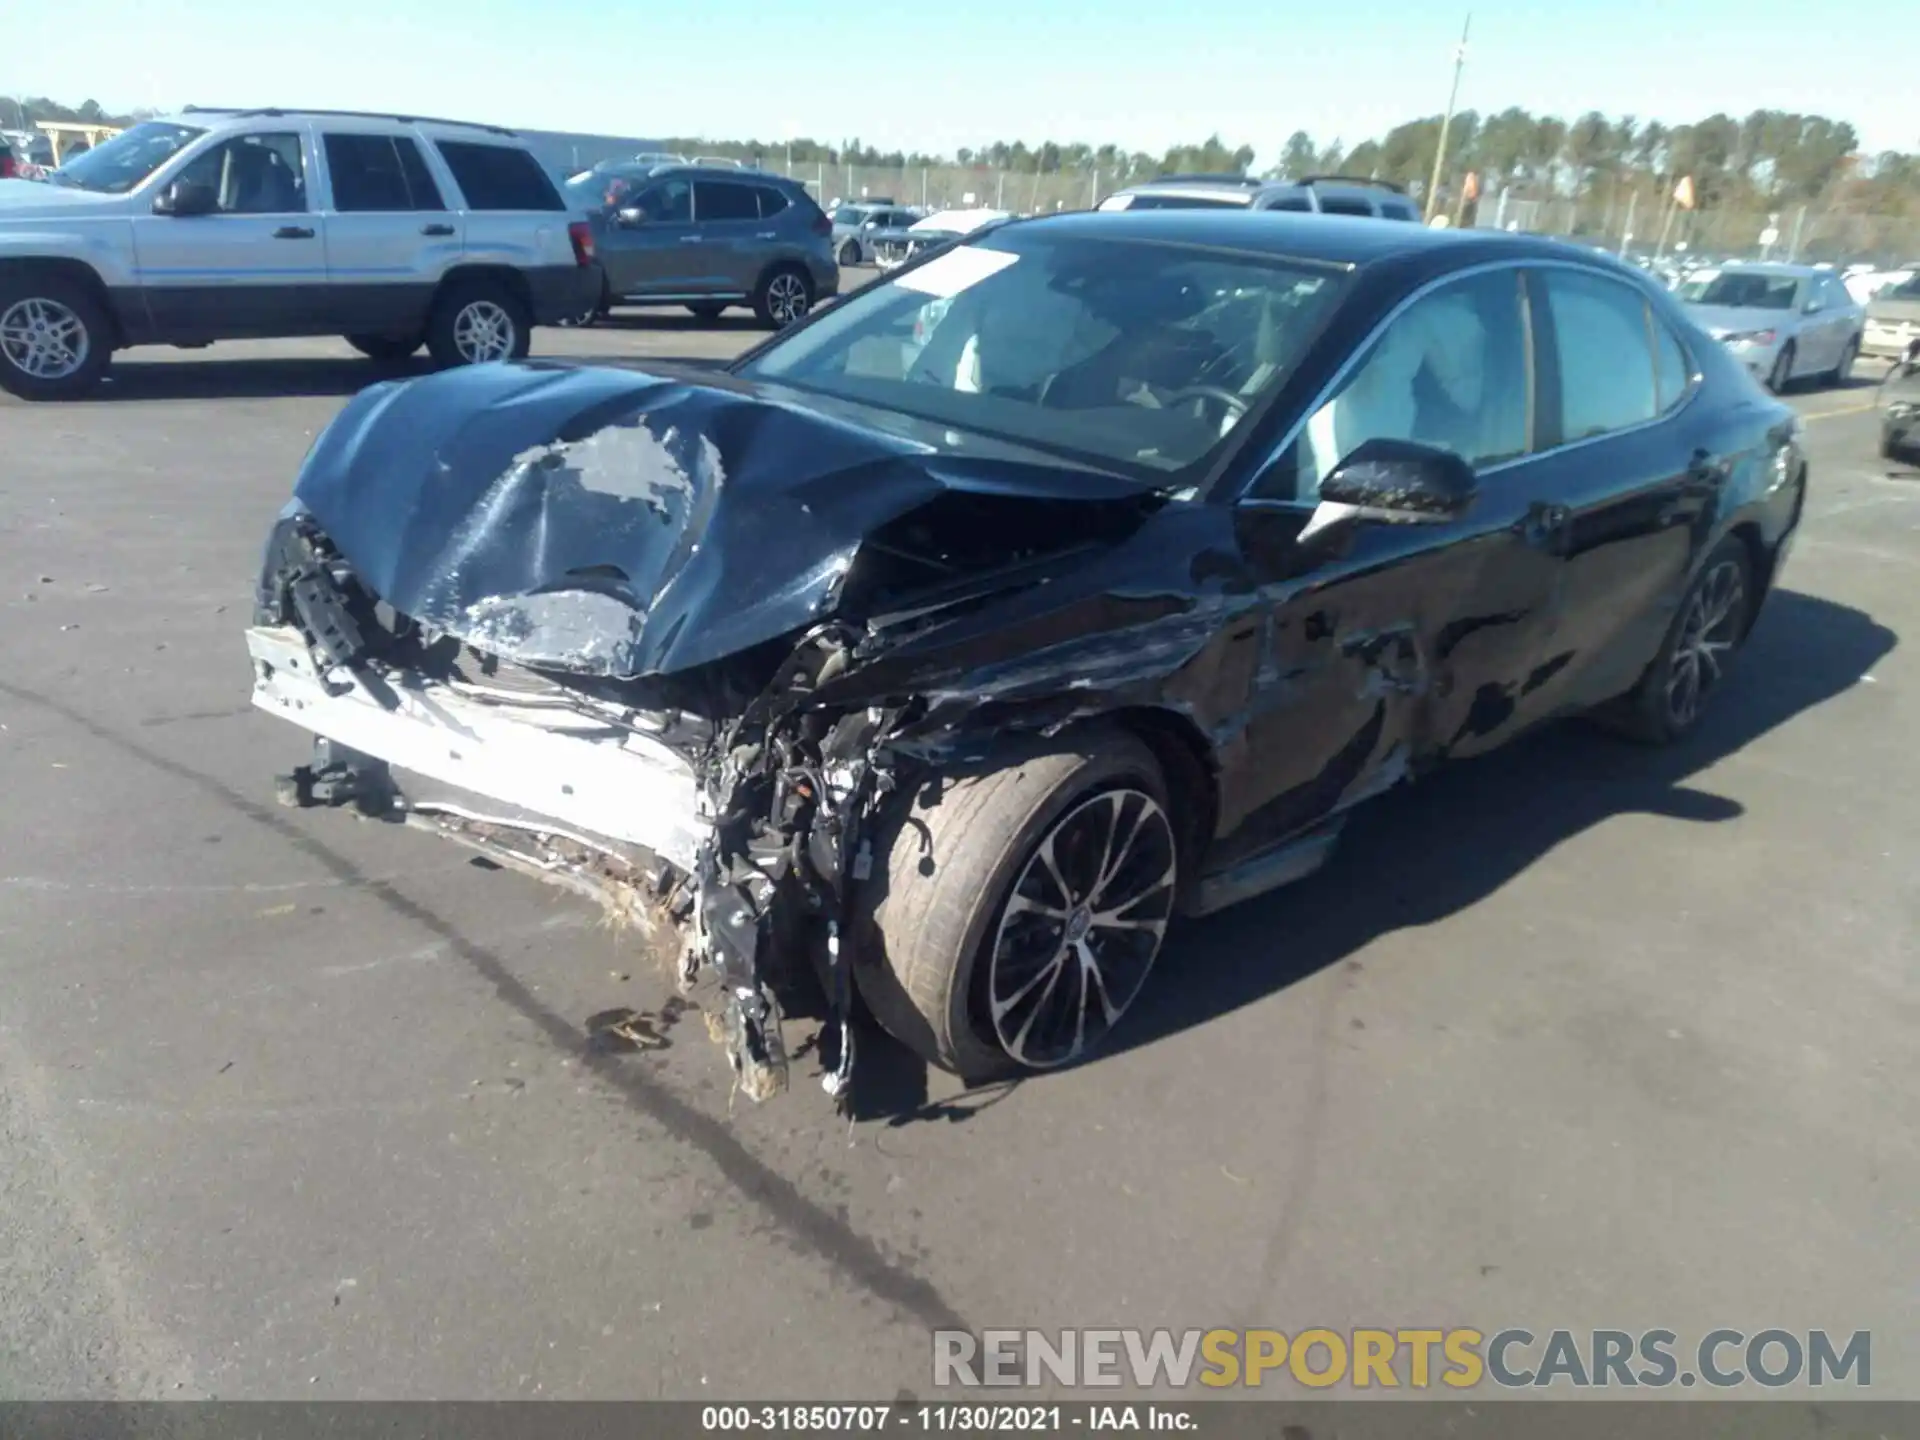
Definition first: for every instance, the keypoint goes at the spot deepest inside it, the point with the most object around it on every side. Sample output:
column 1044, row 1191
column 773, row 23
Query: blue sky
column 938, row 74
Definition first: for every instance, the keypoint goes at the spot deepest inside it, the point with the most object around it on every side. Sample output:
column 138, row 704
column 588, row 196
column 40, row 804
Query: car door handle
column 293, row 232
column 689, row 239
column 436, row 230
column 768, row 235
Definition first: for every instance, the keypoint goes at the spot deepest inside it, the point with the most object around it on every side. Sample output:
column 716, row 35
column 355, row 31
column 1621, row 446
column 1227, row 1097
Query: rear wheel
column 850, row 253
column 478, row 321
column 1019, row 911
column 386, row 347
column 784, row 296
column 55, row 337
column 1698, row 652
column 1843, row 371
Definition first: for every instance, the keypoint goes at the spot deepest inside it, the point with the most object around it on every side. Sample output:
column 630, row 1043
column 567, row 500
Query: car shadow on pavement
column 309, row 378
column 1419, row 854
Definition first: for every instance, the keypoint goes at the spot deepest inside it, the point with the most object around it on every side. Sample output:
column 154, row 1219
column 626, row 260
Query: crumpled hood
column 617, row 523
column 1719, row 321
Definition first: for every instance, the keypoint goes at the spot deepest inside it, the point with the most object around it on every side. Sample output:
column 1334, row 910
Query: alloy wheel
column 1081, row 928
column 786, row 298
column 44, row 339
column 483, row 332
column 1709, row 631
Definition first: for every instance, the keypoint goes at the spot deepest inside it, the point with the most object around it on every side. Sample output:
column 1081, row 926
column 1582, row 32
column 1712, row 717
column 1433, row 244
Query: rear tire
column 478, row 321
column 783, row 297
column 850, row 253
column 385, row 348
column 1706, row 635
column 1843, row 371
column 55, row 337
column 944, row 946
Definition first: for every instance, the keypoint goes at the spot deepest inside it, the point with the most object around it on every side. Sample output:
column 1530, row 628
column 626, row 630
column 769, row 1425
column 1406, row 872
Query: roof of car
column 1330, row 239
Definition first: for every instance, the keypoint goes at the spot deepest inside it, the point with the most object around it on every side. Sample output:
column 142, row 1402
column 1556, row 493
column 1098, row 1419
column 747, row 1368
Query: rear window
column 772, row 201
column 1292, row 202
column 1344, row 205
column 1397, row 210
column 499, row 177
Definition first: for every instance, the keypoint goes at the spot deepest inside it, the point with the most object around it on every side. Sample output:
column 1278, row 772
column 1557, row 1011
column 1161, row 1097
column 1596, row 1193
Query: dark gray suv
column 707, row 238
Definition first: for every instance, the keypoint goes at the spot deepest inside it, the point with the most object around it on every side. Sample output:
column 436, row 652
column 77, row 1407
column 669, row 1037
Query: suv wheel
column 785, row 295
column 476, row 322
column 385, row 348
column 53, row 338
column 850, row 253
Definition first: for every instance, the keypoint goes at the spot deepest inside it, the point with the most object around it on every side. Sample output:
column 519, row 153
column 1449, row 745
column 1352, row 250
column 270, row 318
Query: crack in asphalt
column 845, row 1251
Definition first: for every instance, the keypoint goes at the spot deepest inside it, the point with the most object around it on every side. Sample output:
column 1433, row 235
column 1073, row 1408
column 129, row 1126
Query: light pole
column 1446, row 121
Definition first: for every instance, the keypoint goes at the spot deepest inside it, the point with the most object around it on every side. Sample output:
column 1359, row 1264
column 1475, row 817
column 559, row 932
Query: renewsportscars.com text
column 1418, row 1359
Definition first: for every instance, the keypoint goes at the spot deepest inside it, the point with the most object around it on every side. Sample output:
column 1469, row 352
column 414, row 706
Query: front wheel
column 54, row 338
column 1699, row 650
column 1019, row 911
column 475, row 322
column 1781, row 375
column 783, row 298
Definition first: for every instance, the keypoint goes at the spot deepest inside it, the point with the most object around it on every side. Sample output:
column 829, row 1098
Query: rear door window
column 370, row 173
column 1344, row 205
column 1673, row 372
column 499, row 177
column 1604, row 351
column 772, row 202
column 716, row 201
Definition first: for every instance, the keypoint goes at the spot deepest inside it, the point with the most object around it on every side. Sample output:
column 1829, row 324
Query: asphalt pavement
column 298, row 1105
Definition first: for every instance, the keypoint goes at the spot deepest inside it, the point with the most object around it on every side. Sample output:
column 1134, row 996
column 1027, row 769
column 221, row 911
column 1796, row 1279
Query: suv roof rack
column 1367, row 180
column 278, row 110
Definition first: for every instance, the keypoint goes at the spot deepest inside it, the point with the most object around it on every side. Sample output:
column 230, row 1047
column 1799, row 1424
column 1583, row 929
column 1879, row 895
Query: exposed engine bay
column 614, row 664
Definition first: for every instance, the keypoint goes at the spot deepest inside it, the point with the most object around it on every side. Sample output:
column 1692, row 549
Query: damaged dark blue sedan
column 1081, row 575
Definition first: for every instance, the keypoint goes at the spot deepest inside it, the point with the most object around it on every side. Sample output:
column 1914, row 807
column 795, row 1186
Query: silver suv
column 1321, row 194
column 707, row 238
column 219, row 224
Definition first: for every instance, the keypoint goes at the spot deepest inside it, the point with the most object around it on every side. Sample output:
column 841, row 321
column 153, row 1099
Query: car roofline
column 199, row 113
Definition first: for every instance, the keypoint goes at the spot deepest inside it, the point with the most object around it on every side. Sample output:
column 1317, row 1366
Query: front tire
column 1695, row 658
column 783, row 297
column 385, row 348
column 1018, row 912
column 55, row 338
column 476, row 322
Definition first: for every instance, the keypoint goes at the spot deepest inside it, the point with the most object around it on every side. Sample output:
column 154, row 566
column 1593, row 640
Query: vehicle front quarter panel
column 97, row 252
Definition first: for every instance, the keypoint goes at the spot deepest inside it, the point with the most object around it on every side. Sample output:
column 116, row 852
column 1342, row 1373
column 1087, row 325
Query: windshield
column 1906, row 290
column 1747, row 290
column 1139, row 357
column 121, row 163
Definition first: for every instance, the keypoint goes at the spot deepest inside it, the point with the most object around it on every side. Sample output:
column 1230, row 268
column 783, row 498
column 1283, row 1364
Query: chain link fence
column 949, row 187
column 1804, row 233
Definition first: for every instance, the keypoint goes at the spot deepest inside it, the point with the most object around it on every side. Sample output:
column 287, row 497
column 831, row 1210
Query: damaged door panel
column 932, row 653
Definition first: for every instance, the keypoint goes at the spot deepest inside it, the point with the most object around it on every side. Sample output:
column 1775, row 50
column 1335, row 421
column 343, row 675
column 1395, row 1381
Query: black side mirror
column 1402, row 482
column 186, row 197
column 631, row 218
